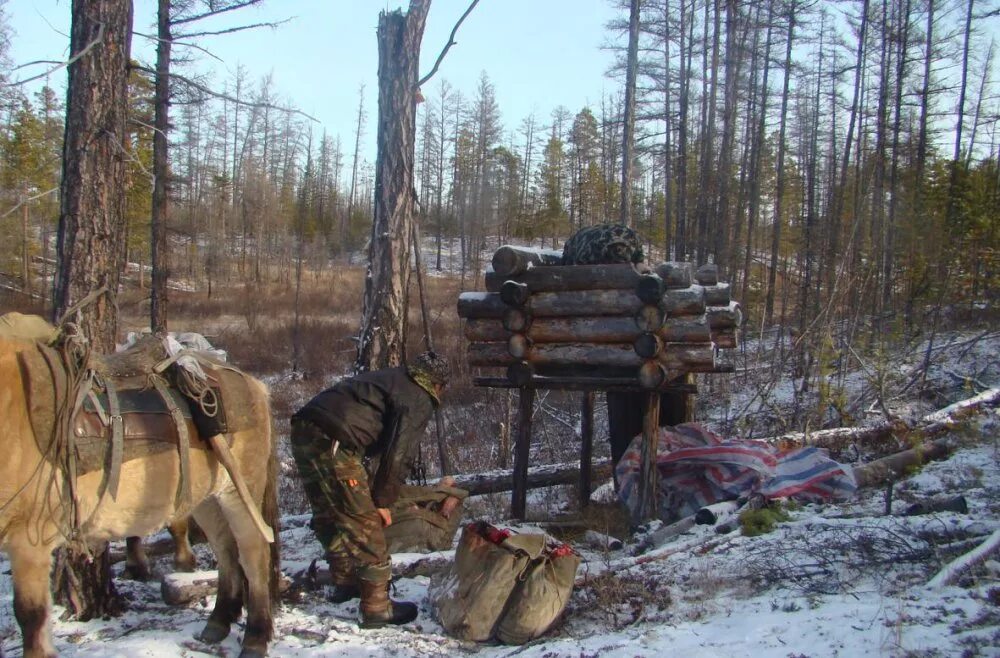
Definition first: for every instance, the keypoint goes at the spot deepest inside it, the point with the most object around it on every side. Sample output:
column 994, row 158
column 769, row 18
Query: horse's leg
column 136, row 562
column 30, row 566
column 229, row 598
column 184, row 558
column 255, row 560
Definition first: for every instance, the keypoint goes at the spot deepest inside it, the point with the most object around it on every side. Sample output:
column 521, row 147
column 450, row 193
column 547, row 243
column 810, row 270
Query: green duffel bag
column 540, row 598
column 418, row 524
column 470, row 598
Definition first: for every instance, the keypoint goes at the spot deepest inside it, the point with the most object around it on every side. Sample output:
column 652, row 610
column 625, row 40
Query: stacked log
column 539, row 318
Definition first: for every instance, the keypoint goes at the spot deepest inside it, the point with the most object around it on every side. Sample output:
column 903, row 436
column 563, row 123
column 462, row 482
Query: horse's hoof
column 214, row 632
column 139, row 573
column 253, row 652
column 186, row 566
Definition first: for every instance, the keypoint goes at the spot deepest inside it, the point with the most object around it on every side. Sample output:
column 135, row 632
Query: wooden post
column 518, row 499
column 649, row 481
column 586, row 446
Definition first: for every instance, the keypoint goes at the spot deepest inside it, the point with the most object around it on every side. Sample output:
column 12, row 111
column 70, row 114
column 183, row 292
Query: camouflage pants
column 345, row 519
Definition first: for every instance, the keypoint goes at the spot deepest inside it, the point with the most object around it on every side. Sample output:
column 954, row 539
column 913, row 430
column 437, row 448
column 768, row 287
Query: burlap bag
column 469, row 599
column 417, row 523
column 539, row 599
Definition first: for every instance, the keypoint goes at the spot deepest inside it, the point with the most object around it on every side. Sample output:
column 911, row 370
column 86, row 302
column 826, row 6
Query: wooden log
column 650, row 289
column 514, row 294
column 652, row 375
column 708, row 274
column 586, row 447
column 510, row 260
column 516, row 319
column 724, row 317
column 550, row 278
column 550, row 475
column 649, row 479
column 584, row 383
column 518, row 346
column 676, row 274
column 485, row 330
column 685, row 329
column 650, row 317
column 718, row 295
column 680, row 301
column 182, row 588
column 684, row 301
column 522, row 447
column 889, row 469
column 954, row 569
column 597, row 357
column 725, row 339
column 647, row 345
column 480, row 305
column 687, row 357
column 488, row 355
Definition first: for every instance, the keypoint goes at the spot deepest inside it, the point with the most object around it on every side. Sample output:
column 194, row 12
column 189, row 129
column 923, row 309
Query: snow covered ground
column 834, row 580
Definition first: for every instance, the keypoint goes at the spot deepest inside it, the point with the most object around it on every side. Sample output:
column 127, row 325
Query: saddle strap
column 183, row 441
column 114, row 472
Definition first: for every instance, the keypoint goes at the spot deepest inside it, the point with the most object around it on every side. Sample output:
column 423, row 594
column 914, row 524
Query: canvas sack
column 540, row 598
column 418, row 525
column 469, row 599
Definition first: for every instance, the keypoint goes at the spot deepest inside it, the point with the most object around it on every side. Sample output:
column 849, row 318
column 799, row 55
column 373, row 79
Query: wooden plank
column 563, row 383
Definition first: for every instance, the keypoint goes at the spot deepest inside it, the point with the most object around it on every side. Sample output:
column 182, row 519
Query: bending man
column 379, row 416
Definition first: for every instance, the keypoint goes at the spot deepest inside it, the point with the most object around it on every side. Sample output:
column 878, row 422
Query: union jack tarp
column 698, row 467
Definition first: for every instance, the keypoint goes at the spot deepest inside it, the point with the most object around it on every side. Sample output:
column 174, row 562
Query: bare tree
column 381, row 340
column 628, row 130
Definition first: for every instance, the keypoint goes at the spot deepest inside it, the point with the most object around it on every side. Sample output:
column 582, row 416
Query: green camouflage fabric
column 603, row 244
column 345, row 519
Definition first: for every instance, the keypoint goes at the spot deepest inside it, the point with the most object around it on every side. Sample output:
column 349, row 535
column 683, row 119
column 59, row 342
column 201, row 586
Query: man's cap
column 433, row 366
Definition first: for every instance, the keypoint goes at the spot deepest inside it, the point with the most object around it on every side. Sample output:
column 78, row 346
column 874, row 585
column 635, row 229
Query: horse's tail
column 271, row 514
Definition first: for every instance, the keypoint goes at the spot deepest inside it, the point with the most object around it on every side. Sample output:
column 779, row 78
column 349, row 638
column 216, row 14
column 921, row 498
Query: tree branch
column 211, row 92
column 215, row 12
column 86, row 49
column 175, row 42
column 231, row 30
column 451, row 42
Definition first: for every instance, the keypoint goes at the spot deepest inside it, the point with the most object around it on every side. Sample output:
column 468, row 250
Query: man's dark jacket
column 381, row 414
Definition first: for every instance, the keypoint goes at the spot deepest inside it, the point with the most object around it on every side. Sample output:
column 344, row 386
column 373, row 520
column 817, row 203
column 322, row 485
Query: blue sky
column 538, row 53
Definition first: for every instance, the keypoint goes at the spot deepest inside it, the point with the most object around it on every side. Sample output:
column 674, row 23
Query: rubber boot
column 344, row 577
column 377, row 609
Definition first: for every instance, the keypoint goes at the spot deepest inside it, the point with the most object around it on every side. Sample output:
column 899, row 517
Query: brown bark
column 546, row 278
column 382, row 338
column 159, row 246
column 91, row 239
column 509, row 260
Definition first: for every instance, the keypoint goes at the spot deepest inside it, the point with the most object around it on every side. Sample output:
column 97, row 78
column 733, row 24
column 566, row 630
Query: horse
column 34, row 512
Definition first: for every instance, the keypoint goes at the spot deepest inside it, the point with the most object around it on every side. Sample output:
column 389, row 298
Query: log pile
column 616, row 325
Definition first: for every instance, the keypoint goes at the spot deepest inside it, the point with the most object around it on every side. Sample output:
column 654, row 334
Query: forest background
column 838, row 161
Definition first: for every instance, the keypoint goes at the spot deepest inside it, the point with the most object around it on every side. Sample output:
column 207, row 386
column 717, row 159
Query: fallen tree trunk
column 951, row 572
column 889, row 469
column 541, row 476
column 933, row 423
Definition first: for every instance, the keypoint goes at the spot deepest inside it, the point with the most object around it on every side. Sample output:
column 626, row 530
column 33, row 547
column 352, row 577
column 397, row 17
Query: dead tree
column 91, row 239
column 381, row 340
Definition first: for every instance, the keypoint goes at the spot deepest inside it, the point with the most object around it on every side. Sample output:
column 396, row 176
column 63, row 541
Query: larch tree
column 91, row 240
column 381, row 340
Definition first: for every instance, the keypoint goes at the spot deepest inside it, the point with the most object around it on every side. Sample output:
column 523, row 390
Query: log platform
column 635, row 330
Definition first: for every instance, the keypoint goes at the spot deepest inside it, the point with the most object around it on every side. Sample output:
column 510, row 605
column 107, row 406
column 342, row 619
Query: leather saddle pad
column 148, row 427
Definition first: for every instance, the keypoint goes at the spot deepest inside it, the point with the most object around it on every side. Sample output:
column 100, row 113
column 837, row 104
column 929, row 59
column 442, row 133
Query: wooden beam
column 511, row 260
column 522, row 448
column 649, row 479
column 586, row 446
column 548, row 278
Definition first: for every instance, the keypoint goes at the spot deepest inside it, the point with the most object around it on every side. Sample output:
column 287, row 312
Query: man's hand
column 386, row 516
